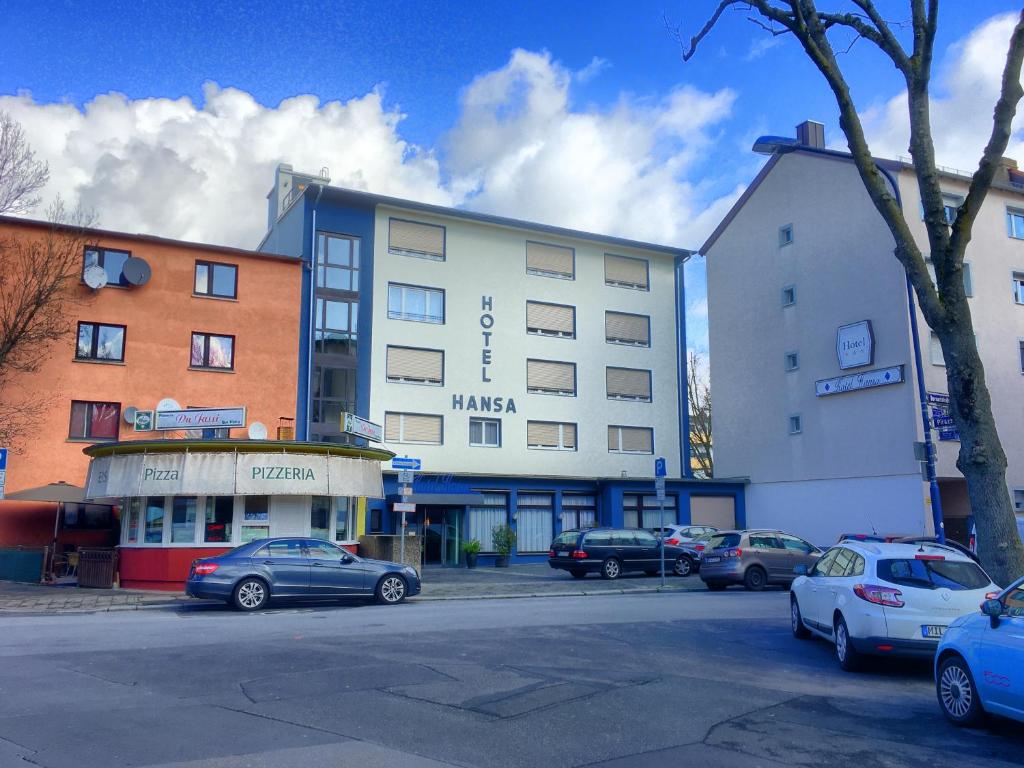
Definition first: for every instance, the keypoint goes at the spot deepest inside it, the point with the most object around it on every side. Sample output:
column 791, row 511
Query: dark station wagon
column 614, row 551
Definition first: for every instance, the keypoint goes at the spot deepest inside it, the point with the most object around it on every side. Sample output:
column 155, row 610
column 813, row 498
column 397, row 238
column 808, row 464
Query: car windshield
column 568, row 537
column 723, row 540
column 933, row 574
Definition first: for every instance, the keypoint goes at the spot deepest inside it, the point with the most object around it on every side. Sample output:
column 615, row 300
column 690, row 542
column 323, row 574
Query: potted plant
column 503, row 538
column 471, row 549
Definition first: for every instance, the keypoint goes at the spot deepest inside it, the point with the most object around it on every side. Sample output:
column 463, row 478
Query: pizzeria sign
column 201, row 418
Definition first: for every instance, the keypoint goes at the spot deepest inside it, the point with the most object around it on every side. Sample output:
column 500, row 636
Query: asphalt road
column 621, row 680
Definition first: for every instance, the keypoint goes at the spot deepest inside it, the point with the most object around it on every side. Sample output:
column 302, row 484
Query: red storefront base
column 165, row 568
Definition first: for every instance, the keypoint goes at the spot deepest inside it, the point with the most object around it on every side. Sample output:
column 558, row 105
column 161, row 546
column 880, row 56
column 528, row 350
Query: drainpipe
column 681, row 367
column 312, row 317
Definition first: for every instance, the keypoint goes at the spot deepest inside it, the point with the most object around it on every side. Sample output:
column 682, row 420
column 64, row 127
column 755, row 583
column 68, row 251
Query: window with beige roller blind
column 550, row 319
column 413, row 428
column 624, row 328
column 625, row 272
column 550, row 260
column 551, row 435
column 416, row 366
column 630, row 439
column 412, row 238
column 628, row 384
column 550, row 377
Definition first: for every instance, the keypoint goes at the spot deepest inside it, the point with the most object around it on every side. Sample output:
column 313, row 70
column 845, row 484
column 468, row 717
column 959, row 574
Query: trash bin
column 96, row 568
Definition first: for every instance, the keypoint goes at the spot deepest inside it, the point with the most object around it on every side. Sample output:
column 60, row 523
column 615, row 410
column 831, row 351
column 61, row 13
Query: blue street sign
column 3, row 458
column 949, row 434
column 943, row 421
column 660, row 468
column 404, row 462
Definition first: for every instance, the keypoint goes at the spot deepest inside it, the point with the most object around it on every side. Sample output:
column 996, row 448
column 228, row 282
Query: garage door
column 718, row 511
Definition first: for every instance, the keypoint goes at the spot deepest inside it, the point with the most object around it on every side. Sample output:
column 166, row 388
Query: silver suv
column 754, row 558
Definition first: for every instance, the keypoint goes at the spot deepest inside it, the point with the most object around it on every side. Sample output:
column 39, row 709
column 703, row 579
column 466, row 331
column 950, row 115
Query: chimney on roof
column 811, row 134
column 1013, row 176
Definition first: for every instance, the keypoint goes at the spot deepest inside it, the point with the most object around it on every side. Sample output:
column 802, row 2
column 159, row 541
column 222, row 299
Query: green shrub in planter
column 504, row 539
column 471, row 549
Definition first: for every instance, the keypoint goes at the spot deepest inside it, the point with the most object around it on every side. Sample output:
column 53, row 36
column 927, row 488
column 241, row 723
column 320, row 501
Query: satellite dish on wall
column 257, row 431
column 129, row 414
column 95, row 277
column 136, row 271
column 168, row 404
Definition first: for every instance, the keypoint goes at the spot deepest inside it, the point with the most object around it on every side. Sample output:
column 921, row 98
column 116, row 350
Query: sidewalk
column 517, row 581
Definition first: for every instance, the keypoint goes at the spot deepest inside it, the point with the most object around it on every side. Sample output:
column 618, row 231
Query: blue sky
column 415, row 63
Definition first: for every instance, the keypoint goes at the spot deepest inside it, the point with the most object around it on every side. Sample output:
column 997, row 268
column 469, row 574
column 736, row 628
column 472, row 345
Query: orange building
column 203, row 325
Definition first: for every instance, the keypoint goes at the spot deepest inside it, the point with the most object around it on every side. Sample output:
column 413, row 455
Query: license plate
column 932, row 630
column 707, row 559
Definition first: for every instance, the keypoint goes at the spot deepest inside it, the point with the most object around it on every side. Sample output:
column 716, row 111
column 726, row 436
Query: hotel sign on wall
column 851, row 382
column 855, row 345
column 201, row 418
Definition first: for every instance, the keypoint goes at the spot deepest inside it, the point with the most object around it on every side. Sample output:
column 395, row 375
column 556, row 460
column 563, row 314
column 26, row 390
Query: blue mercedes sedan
column 250, row 575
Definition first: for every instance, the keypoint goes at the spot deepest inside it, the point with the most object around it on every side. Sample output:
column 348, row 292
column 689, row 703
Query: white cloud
column 964, row 94
column 596, row 66
column 761, row 45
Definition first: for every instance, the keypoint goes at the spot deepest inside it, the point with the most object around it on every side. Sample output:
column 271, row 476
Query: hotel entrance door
column 442, row 535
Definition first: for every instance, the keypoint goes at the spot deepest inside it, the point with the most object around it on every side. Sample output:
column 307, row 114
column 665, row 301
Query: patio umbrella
column 59, row 492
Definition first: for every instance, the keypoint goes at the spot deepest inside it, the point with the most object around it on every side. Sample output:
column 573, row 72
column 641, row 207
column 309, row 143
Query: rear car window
column 933, row 574
column 721, row 540
column 568, row 537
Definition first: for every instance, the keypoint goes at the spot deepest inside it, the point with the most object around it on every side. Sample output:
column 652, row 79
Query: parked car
column 251, row 575
column 979, row 667
column 614, row 551
column 754, row 558
column 885, row 599
column 679, row 534
column 693, row 549
column 902, row 539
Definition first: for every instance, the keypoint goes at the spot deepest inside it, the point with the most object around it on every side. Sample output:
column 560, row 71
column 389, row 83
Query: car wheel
column 578, row 574
column 958, row 695
column 755, row 578
column 390, row 590
column 849, row 658
column 800, row 632
column 683, row 566
column 716, row 586
column 251, row 594
column 611, row 569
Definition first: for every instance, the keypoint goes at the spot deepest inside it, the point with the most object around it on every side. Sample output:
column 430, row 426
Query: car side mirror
column 993, row 609
column 346, row 559
column 800, row 570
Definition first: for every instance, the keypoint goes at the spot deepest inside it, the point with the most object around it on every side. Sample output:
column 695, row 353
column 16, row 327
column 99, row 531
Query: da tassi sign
column 200, row 418
column 855, row 345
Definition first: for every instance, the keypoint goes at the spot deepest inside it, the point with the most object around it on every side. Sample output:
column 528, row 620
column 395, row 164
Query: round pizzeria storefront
column 185, row 499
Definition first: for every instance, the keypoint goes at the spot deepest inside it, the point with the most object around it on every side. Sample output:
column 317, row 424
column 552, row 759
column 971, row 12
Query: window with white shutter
column 628, row 384
column 412, row 238
column 550, row 260
column 630, row 439
column 551, row 319
column 625, row 272
column 415, row 366
column 413, row 428
column 550, row 377
column 624, row 328
column 551, row 435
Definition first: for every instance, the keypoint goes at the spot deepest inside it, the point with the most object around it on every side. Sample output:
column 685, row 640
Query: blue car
column 979, row 666
column 250, row 575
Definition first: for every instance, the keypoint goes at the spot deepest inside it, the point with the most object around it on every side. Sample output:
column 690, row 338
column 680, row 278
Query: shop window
column 97, row 341
column 578, row 511
column 483, row 518
column 212, row 351
column 534, row 521
column 110, row 259
column 132, row 515
column 345, row 511
column 256, row 518
column 644, row 511
column 154, row 520
column 220, row 515
column 94, row 421
column 320, row 517
column 183, row 519
column 213, row 279
column 337, row 262
column 87, row 517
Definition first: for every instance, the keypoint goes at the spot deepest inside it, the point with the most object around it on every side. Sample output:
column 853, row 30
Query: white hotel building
column 795, row 269
column 534, row 370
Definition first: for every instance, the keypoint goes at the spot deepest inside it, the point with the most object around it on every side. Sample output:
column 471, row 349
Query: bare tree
column 698, row 396
column 21, row 175
column 38, row 293
column 944, row 305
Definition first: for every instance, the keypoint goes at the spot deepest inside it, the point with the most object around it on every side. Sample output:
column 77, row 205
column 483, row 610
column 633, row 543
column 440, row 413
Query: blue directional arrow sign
column 660, row 467
column 404, row 462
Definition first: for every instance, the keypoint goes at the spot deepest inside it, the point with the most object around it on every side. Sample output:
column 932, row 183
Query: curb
column 518, row 596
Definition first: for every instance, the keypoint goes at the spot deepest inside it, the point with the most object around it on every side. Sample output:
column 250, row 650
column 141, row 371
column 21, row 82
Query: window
column 795, row 425
column 415, row 366
column 1020, row 346
column 485, row 433
column 954, row 575
column 630, row 439
column 1018, row 287
column 84, row 517
column 286, row 548
column 792, row 361
column 1018, row 499
column 334, row 393
column 968, row 281
column 534, row 521
column 219, row 517
column 550, row 320
column 551, row 435
column 94, row 421
column 950, row 204
column 213, row 279
column 183, row 519
column 256, row 518
column 1015, row 223
column 320, row 517
column 935, row 350
column 550, row 378
column 624, row 328
column 131, row 521
column 111, row 260
column 337, row 323
column 628, row 384
column 154, row 533
column 644, row 511
column 550, row 260
column 764, row 541
column 97, row 341
column 483, row 518
column 212, row 351
column 337, row 266
column 321, row 550
column 411, row 302
column 795, row 544
column 410, row 238
column 578, row 511
column 789, row 296
column 625, row 272
column 413, row 428
column 345, row 511
column 785, row 235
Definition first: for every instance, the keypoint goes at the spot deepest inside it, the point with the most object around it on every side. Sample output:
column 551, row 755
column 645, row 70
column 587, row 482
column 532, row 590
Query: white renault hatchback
column 885, row 599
